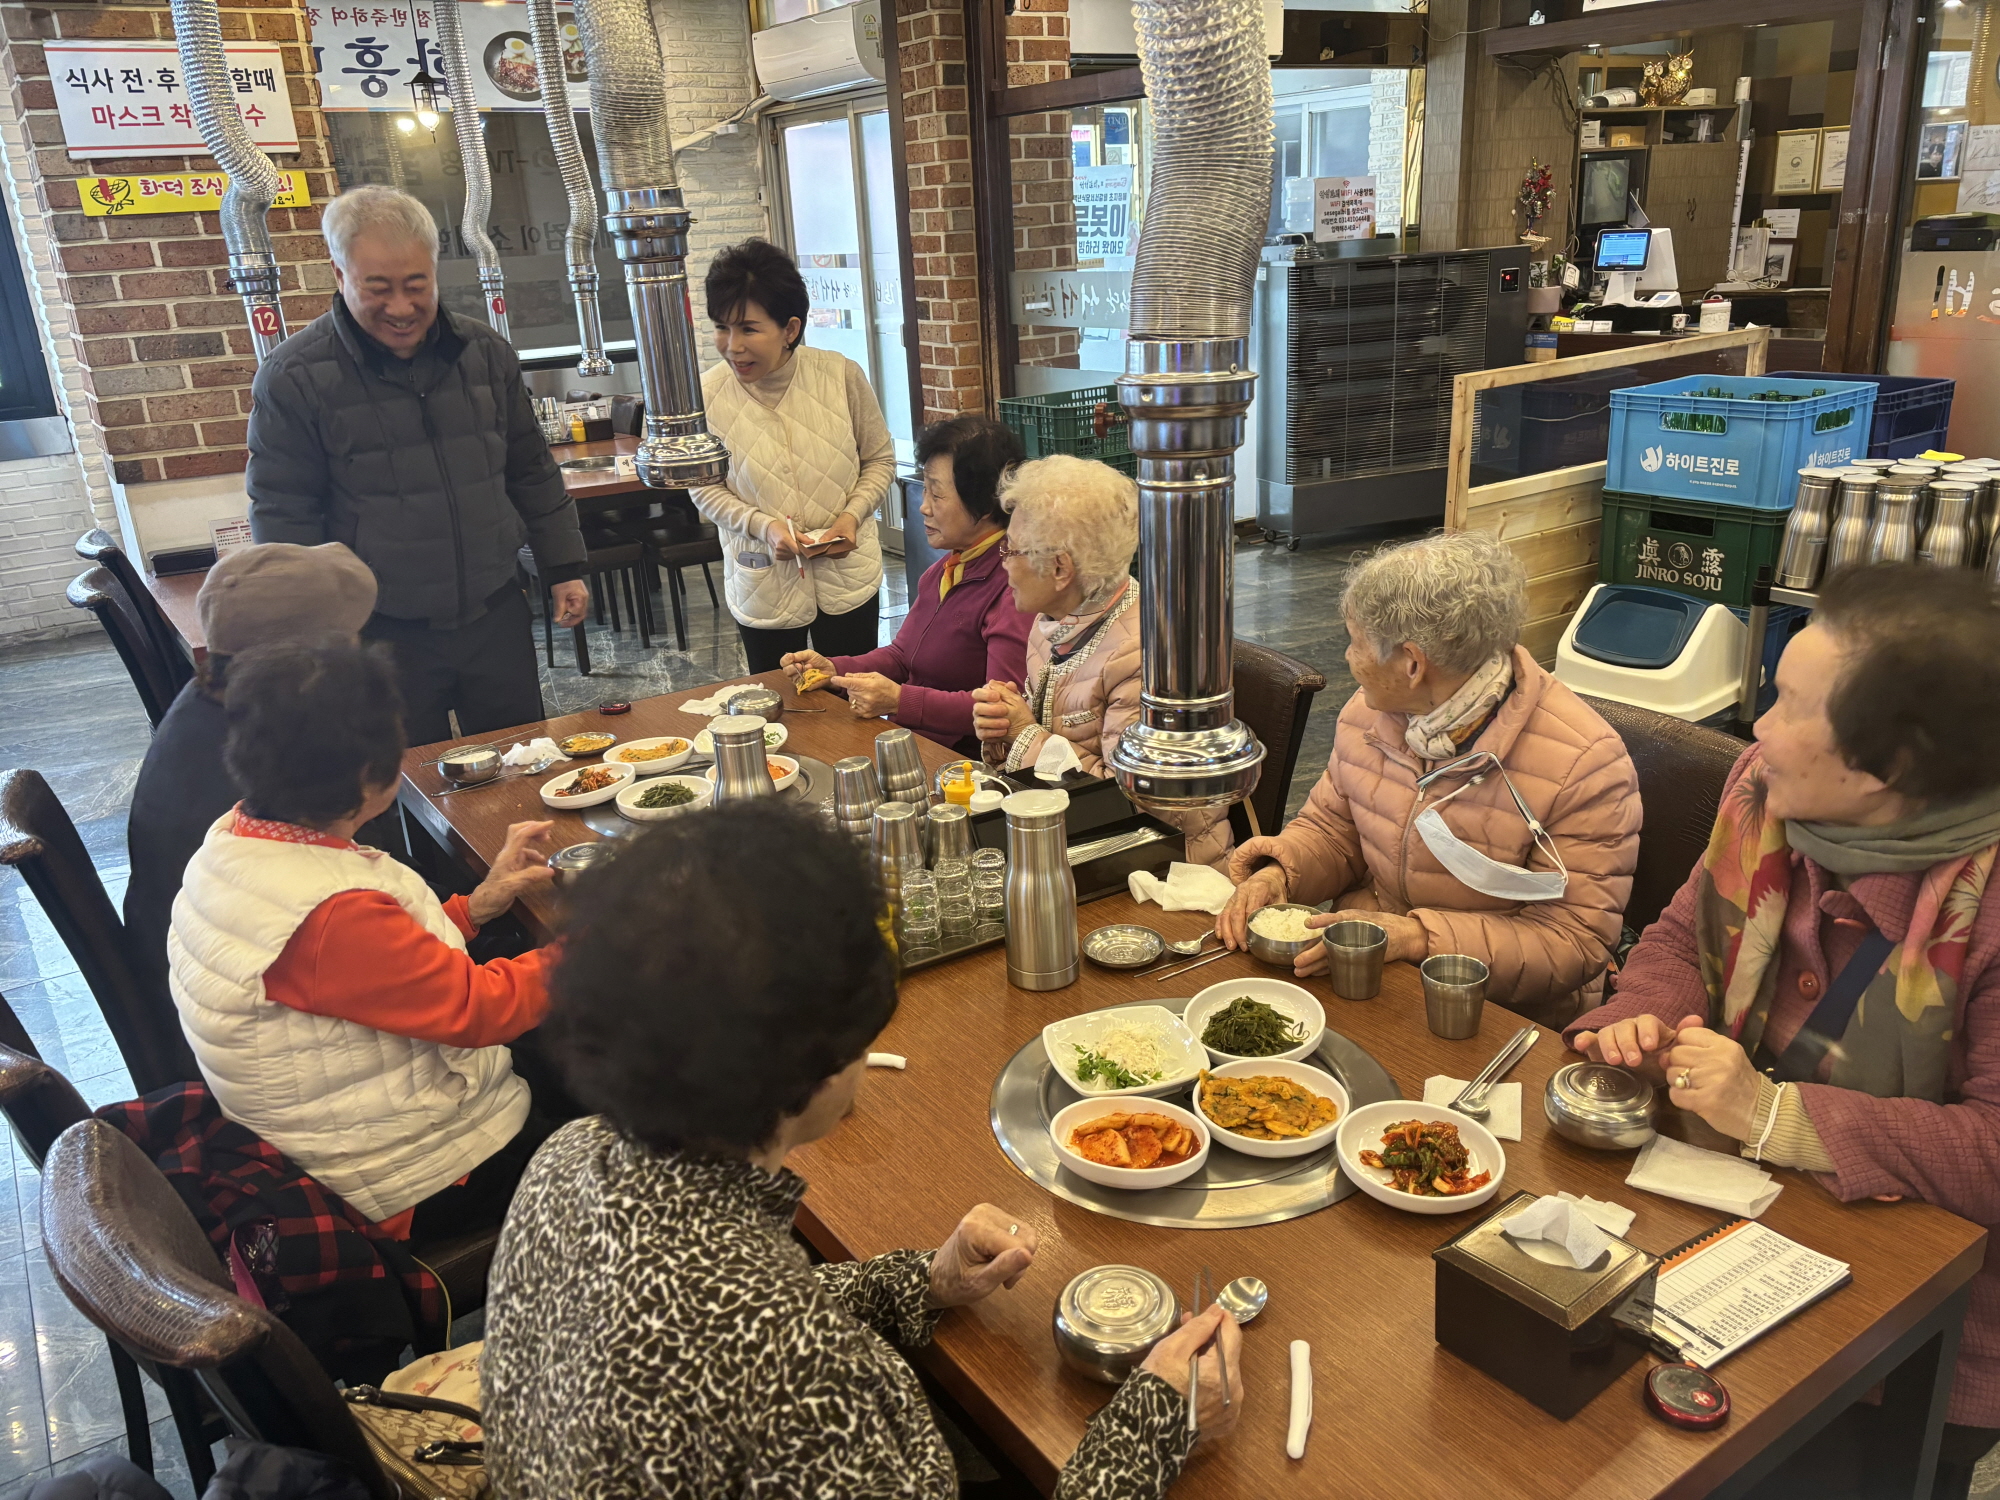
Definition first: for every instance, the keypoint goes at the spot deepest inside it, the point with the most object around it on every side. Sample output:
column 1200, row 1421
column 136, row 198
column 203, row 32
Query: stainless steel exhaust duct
column 253, row 182
column 471, row 133
column 578, row 241
column 1187, row 386
column 648, row 225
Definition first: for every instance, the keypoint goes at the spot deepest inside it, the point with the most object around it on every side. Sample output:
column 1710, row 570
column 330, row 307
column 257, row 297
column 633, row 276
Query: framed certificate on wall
column 1833, row 160
column 1797, row 169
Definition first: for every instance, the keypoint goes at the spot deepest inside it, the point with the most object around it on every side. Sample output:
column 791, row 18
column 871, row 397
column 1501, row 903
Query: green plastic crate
column 1066, row 422
column 1703, row 548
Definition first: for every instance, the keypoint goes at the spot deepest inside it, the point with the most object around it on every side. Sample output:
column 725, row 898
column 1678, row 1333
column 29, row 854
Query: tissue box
column 1546, row 1331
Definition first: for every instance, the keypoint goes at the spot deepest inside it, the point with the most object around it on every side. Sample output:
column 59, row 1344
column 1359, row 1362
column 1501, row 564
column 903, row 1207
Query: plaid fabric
column 338, row 1279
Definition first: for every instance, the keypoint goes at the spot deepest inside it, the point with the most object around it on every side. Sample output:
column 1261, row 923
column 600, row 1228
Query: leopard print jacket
column 654, row 1330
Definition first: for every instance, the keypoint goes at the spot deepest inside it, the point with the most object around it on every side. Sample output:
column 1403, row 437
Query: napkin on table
column 1612, row 1218
column 1674, row 1169
column 1186, row 888
column 1504, row 1103
column 1563, row 1225
column 1055, row 759
column 716, row 702
column 526, row 755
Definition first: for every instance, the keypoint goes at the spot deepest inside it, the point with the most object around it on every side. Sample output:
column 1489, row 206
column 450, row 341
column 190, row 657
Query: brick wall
column 163, row 349
column 937, row 135
column 1038, row 160
column 1388, row 90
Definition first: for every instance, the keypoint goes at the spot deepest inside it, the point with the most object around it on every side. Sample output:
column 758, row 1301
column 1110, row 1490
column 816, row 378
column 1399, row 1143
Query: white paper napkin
column 1563, row 1225
column 887, row 1060
column 526, row 755
column 1300, row 1420
column 715, row 703
column 1504, row 1102
column 1674, row 1169
column 1055, row 759
column 1186, row 888
column 1612, row 1218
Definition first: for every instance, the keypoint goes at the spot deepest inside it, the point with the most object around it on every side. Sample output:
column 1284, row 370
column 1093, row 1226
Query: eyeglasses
column 1008, row 549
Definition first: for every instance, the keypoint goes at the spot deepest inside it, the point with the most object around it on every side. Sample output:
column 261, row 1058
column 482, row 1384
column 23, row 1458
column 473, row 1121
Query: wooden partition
column 1554, row 520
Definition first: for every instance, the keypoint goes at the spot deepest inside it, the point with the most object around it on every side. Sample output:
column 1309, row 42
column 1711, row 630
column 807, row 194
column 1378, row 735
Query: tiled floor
column 68, row 710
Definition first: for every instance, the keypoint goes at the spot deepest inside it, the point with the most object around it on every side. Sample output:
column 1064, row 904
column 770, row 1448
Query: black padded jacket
column 433, row 470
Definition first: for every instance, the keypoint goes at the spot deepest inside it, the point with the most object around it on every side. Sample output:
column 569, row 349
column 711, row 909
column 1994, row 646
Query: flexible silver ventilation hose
column 1186, row 388
column 253, row 181
column 471, row 133
column 579, row 239
column 648, row 226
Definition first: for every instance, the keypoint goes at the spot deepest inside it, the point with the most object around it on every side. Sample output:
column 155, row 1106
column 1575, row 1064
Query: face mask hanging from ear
column 1472, row 868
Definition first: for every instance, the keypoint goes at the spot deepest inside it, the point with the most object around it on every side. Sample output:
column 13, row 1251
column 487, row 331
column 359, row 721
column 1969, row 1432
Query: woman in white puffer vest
column 327, row 994
column 810, row 459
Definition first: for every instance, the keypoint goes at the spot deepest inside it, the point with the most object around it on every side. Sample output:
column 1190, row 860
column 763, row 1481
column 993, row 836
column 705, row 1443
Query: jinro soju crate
column 1740, row 439
column 1690, row 546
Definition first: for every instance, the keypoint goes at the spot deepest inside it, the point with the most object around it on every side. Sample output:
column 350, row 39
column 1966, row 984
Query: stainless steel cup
column 1354, row 953
column 899, row 847
column 856, row 795
column 900, row 768
column 741, row 772
column 948, row 828
column 1454, row 994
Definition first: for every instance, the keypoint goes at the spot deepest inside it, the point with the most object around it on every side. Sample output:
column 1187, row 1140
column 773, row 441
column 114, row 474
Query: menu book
column 1728, row 1287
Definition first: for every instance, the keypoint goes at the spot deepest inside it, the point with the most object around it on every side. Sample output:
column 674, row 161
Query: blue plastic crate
column 1672, row 439
column 1912, row 412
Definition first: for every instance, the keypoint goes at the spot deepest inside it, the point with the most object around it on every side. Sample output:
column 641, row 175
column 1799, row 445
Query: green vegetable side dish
column 1250, row 1028
column 664, row 794
column 1089, row 1065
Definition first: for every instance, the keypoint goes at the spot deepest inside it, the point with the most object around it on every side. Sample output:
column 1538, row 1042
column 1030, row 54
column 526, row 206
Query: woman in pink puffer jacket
column 1445, row 693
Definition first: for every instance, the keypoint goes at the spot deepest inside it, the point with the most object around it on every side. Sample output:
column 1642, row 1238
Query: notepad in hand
column 1727, row 1288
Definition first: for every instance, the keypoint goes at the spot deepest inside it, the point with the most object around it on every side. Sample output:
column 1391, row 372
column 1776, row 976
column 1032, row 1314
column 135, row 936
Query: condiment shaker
column 1848, row 543
column 1042, row 948
column 1892, row 537
column 1947, row 540
column 741, row 771
column 1806, row 531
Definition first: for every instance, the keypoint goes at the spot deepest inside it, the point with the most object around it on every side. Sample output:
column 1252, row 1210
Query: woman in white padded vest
column 810, row 459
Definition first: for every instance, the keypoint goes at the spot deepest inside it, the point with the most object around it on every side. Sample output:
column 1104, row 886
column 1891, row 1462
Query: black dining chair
column 155, row 677
column 1274, row 694
column 97, row 546
column 619, row 561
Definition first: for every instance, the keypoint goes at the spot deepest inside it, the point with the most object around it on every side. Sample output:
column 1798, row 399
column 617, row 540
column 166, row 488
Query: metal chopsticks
column 1221, row 1359
column 1170, row 973
column 1474, row 1093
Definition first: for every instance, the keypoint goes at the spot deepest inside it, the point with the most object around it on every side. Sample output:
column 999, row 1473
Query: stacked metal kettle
column 1944, row 515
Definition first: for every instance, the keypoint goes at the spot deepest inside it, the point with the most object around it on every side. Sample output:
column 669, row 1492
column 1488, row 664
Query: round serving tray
column 815, row 784
column 1231, row 1191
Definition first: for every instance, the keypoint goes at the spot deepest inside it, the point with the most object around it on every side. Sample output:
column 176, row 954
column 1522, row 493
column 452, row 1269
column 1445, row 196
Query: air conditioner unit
column 821, row 54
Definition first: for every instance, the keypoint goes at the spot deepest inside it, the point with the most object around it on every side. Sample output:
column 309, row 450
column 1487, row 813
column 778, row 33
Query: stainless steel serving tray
column 815, row 785
column 1231, row 1191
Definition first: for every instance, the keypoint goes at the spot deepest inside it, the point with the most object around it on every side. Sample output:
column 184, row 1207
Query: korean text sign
column 1343, row 208
column 129, row 99
column 366, row 55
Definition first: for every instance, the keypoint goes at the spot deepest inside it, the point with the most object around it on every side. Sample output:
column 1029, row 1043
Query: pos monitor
column 1635, row 261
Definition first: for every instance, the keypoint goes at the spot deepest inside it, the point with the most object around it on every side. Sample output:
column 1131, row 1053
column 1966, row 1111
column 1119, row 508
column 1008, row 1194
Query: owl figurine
column 1666, row 82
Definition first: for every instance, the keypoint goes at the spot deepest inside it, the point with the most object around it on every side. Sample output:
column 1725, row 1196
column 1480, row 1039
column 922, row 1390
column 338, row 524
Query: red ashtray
column 1687, row 1396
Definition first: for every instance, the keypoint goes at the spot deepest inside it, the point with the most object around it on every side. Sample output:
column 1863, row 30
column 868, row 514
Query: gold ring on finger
column 1686, row 1074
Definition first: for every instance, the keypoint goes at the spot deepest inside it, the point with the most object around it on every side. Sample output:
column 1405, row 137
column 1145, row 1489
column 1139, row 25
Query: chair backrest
column 129, row 1254
column 96, row 546
column 1274, row 694
column 1682, row 768
column 100, row 592
column 38, row 839
column 38, row 1101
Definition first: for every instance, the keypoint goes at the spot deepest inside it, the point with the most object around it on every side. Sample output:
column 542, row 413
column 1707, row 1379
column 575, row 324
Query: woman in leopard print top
column 653, row 1328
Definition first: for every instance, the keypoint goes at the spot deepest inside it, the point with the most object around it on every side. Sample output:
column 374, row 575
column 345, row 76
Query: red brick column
column 1038, row 152
column 937, row 131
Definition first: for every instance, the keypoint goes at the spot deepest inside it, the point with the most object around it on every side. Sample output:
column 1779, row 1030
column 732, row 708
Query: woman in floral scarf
column 1826, row 986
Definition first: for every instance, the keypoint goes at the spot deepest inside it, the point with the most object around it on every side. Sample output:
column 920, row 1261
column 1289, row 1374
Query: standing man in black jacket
column 406, row 433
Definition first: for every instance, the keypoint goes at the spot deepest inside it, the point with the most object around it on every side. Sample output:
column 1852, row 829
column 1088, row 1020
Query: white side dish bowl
column 1320, row 1082
column 615, row 756
column 1061, row 1038
column 626, row 776
column 1134, row 1178
column 1286, row 999
column 628, row 798
column 1362, row 1131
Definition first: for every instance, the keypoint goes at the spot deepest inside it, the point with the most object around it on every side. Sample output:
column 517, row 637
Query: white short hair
column 1078, row 506
column 375, row 209
column 1462, row 596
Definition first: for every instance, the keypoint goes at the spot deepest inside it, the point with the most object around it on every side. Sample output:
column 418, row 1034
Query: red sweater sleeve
column 360, row 957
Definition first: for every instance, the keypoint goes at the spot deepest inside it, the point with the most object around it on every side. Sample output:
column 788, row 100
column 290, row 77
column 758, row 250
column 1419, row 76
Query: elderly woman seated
column 1826, row 986
column 327, row 994
column 1073, row 527
column 653, row 1327
column 1473, row 804
column 962, row 628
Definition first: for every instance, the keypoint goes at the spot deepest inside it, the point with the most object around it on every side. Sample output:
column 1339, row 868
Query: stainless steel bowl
column 573, row 861
column 1123, row 946
column 760, row 701
column 591, row 465
column 471, row 766
column 1109, row 1318
column 1274, row 952
column 1599, row 1106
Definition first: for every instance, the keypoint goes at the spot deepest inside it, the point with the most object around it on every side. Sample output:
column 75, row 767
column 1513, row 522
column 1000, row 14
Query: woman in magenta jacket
column 962, row 630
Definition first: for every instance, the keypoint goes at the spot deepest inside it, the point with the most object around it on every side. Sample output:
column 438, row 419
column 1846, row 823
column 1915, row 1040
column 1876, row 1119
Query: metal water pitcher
column 1848, row 543
column 1947, row 540
column 1892, row 537
column 1042, row 950
column 1806, row 531
column 741, row 772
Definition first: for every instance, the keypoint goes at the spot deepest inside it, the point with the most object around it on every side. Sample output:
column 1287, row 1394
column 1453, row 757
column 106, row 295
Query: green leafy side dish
column 664, row 794
column 1090, row 1065
column 1250, row 1028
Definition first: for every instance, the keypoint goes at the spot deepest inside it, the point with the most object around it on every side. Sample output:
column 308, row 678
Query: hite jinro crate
column 1711, row 437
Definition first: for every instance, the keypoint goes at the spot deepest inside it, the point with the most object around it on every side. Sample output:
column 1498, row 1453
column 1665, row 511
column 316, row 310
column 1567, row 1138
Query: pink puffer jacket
column 1355, row 839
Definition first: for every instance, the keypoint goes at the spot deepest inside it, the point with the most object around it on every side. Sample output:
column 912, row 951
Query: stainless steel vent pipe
column 579, row 240
column 253, row 181
column 648, row 225
column 466, row 125
column 1186, row 387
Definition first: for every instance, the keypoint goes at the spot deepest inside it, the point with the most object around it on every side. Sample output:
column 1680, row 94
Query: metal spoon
column 1474, row 1101
column 1244, row 1298
column 1189, row 947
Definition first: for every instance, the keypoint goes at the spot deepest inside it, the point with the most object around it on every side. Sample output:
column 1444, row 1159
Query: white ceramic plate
column 1136, row 1179
column 1061, row 1038
column 1362, row 1131
column 628, row 798
column 615, row 756
column 778, row 783
column 1286, row 999
column 1321, row 1083
column 625, row 774
column 774, row 736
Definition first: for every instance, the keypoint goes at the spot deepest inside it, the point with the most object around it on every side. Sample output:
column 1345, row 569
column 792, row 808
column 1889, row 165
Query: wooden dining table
column 1395, row 1415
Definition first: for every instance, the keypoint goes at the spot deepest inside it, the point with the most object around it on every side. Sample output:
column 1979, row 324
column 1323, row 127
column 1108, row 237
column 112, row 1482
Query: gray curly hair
column 1462, row 596
column 375, row 209
column 1078, row 506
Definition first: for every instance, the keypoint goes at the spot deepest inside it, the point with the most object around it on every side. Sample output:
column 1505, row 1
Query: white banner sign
column 127, row 98
column 366, row 55
column 1343, row 208
column 1103, row 197
column 1072, row 299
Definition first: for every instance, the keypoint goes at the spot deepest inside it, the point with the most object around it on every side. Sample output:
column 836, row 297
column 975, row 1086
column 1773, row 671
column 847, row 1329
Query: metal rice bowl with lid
column 1108, row 1319
column 1597, row 1105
